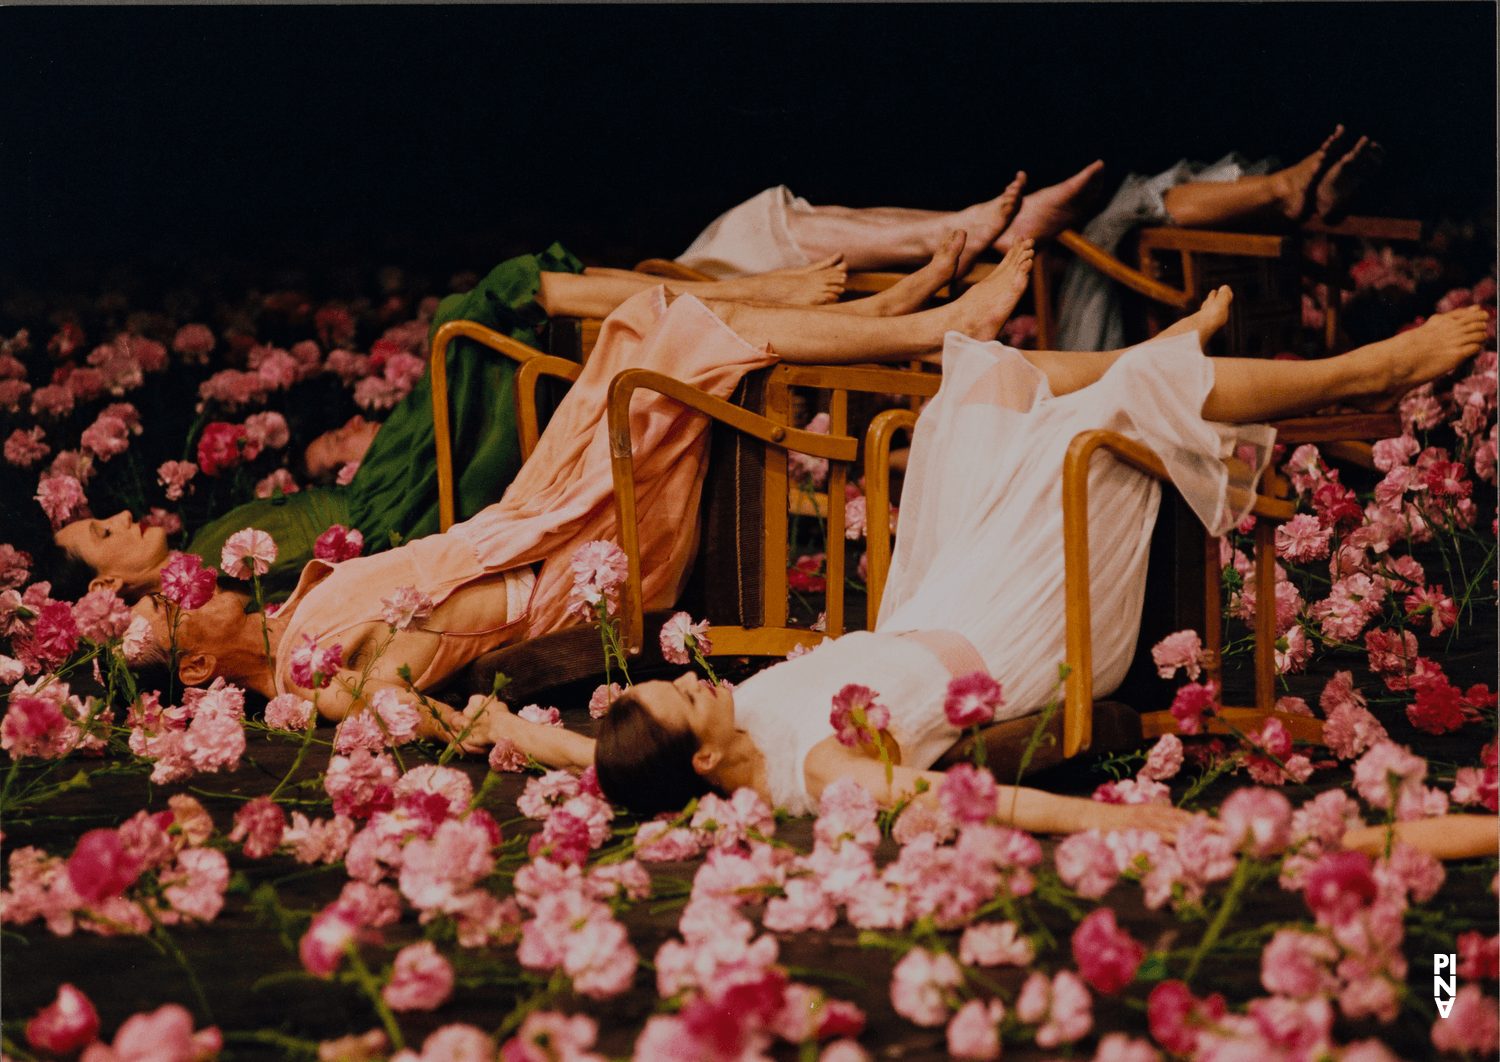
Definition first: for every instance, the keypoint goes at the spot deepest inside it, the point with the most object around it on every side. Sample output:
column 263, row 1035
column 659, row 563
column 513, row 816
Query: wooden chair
column 1264, row 270
column 761, row 439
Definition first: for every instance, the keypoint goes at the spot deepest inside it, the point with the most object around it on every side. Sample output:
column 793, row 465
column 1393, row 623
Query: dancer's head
column 661, row 744
column 207, row 639
column 119, row 553
column 330, row 451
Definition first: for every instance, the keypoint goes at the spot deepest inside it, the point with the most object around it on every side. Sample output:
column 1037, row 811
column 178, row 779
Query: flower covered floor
column 288, row 901
column 269, row 1007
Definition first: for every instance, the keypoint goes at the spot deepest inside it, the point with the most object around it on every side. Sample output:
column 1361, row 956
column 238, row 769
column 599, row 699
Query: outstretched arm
column 1024, row 808
column 553, row 746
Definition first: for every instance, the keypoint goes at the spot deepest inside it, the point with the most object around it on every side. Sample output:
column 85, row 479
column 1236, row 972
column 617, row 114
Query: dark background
column 443, row 138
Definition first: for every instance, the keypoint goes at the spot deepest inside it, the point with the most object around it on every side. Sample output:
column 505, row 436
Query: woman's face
column 117, row 548
column 690, row 703
column 333, row 449
column 201, row 629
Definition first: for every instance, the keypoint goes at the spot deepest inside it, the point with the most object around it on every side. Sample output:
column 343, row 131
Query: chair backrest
column 1177, row 267
column 743, row 558
column 526, row 411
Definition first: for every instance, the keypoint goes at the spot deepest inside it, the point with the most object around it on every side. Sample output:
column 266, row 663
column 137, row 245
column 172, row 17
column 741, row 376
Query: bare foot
column 911, row 291
column 985, row 222
column 1343, row 178
column 1050, row 210
column 833, row 261
column 812, row 285
column 1387, row 370
column 1208, row 319
column 981, row 311
column 1295, row 184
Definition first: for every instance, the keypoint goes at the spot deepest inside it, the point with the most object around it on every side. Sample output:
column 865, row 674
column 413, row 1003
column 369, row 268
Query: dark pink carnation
column 338, row 543
column 972, row 699
column 219, row 447
column 100, row 868
column 1106, row 955
column 186, row 583
column 69, row 1023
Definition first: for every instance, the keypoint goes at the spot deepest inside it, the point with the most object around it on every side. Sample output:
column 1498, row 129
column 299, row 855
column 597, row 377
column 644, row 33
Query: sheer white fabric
column 751, row 238
column 979, row 546
column 785, row 708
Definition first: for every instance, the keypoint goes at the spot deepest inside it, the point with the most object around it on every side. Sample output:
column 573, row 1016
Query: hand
column 482, row 718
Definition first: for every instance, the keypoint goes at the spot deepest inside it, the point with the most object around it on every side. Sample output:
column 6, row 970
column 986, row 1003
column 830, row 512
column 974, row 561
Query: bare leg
column 1250, row 389
column 1048, row 211
column 912, row 290
column 1372, row 377
column 887, row 237
column 839, row 338
column 596, row 293
column 1318, row 183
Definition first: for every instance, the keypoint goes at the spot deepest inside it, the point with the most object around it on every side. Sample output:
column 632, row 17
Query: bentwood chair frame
column 774, row 635
column 1195, row 247
column 1269, row 508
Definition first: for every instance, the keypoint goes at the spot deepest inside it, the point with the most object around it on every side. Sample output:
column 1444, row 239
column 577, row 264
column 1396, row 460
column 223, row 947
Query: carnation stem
column 371, row 989
column 265, row 630
column 1221, row 918
column 702, row 662
column 168, row 946
column 312, row 726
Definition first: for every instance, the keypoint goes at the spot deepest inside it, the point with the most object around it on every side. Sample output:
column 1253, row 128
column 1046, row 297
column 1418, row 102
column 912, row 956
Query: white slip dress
column 979, row 544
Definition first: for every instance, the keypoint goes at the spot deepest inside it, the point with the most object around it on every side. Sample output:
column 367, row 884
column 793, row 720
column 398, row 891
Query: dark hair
column 69, row 575
column 642, row 765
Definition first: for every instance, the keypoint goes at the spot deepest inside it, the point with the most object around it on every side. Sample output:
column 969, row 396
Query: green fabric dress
column 393, row 496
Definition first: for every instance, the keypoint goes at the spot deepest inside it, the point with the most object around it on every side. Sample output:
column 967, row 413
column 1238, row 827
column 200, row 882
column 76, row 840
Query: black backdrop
column 440, row 138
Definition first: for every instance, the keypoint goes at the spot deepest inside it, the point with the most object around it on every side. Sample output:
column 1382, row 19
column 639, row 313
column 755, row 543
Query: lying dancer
column 395, row 488
column 504, row 574
column 777, row 230
column 977, row 581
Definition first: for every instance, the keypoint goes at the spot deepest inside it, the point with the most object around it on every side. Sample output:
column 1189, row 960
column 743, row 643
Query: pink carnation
column 248, row 552
column 279, row 480
column 1191, row 702
column 921, row 985
column 175, row 476
column 67, row 1024
column 101, row 616
column 974, row 1032
column 186, row 583
column 856, row 716
column 680, row 634
column 219, row 447
column 968, row 794
column 259, row 824
column 972, row 699
column 1181, row 650
column 1106, row 955
column 25, row 448
column 338, row 544
column 602, row 698
column 287, row 711
column 407, row 605
column 193, row 342
column 62, row 499
column 421, row 980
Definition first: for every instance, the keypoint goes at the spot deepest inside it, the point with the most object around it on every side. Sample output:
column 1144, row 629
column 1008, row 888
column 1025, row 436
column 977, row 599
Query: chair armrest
column 621, row 389
column 1117, row 270
column 878, row 503
column 1079, row 685
column 665, row 267
column 438, row 369
column 527, row 377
